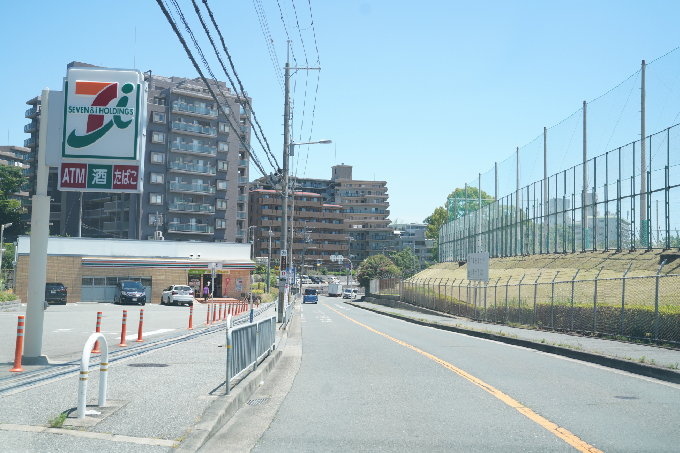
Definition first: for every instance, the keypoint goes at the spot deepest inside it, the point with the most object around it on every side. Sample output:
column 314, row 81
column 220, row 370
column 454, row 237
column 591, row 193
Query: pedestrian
column 205, row 293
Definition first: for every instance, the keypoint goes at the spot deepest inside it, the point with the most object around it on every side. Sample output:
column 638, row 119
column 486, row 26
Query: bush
column 375, row 266
column 6, row 296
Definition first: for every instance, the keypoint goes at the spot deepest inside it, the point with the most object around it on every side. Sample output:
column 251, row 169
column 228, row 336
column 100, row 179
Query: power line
column 264, row 26
column 266, row 149
column 238, row 79
column 198, row 69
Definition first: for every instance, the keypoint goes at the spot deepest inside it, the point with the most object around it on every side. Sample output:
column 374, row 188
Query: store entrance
column 207, row 280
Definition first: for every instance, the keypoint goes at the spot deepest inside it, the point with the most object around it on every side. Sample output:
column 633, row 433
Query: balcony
column 191, row 228
column 242, row 198
column 186, row 167
column 241, row 147
column 183, row 107
column 196, row 129
column 241, row 233
column 115, row 226
column 242, row 163
column 31, row 113
column 30, row 142
column 193, row 148
column 31, row 127
column 241, row 214
column 178, row 186
column 242, row 180
column 198, row 208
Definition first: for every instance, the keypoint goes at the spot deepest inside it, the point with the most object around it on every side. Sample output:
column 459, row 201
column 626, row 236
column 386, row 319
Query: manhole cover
column 627, row 397
column 147, row 365
column 258, row 401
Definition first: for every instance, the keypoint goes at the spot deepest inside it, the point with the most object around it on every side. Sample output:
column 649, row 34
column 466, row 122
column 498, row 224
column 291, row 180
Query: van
column 311, row 296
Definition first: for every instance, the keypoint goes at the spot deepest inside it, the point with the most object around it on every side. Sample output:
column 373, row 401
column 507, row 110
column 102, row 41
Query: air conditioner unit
column 158, row 236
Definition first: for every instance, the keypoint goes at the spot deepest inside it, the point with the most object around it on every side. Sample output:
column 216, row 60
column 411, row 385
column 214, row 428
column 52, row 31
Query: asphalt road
column 67, row 328
column 370, row 382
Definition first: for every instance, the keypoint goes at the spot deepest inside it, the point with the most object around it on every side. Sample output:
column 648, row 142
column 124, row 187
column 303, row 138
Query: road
column 370, row 382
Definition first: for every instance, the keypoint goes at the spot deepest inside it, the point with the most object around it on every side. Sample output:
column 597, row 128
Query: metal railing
column 193, row 148
column 191, row 108
column 191, row 187
column 246, row 345
column 195, row 128
column 191, row 207
column 190, row 228
column 192, row 168
column 638, row 307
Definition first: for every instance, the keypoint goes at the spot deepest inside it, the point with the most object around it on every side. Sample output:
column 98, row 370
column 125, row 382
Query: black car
column 55, row 293
column 129, row 292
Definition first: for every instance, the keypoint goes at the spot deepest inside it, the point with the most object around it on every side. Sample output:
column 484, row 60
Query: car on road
column 177, row 295
column 349, row 293
column 311, row 296
column 129, row 292
column 55, row 293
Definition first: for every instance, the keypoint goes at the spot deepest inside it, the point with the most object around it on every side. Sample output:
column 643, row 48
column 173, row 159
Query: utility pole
column 644, row 222
column 517, row 208
column 585, row 242
column 284, row 206
column 544, row 236
column 479, row 214
column 269, row 259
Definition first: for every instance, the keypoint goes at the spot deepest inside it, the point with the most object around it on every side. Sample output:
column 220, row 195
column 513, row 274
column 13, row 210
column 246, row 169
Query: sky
column 423, row 95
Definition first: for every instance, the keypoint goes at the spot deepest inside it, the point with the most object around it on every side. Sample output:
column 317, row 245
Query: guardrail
column 246, row 345
column 287, row 314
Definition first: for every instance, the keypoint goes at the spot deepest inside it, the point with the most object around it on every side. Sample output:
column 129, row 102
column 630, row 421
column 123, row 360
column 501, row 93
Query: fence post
column 552, row 301
column 230, row 356
column 486, row 284
column 656, row 303
column 623, row 296
column 495, row 299
column 519, row 301
column 439, row 293
column 506, row 299
column 535, row 291
column 595, row 302
column 572, row 299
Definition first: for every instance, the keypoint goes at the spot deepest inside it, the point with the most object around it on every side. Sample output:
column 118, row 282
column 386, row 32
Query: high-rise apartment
column 195, row 170
column 412, row 236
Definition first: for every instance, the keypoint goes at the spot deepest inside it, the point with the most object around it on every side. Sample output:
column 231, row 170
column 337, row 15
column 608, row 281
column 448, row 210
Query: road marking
column 148, row 334
column 91, row 435
column 562, row 433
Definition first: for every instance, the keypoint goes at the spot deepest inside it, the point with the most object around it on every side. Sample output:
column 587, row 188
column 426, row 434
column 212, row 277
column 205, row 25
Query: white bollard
column 84, row 369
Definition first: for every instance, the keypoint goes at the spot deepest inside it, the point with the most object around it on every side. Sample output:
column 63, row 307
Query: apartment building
column 15, row 156
column 318, row 228
column 195, row 171
column 364, row 205
column 412, row 236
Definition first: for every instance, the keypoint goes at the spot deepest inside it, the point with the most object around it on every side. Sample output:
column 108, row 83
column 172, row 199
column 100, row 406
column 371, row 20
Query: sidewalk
column 655, row 361
column 163, row 393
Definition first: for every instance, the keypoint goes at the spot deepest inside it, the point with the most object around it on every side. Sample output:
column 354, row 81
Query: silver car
column 177, row 295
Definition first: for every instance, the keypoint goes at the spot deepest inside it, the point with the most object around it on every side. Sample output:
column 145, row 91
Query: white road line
column 148, row 334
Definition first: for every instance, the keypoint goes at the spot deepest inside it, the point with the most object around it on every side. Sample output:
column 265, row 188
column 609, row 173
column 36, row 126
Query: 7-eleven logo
column 97, row 112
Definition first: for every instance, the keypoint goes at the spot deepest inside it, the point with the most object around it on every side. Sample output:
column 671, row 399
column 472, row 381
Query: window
column 158, row 137
column 157, row 158
column 223, row 128
column 221, row 185
column 220, row 223
column 158, row 117
column 222, row 165
column 159, row 101
column 156, row 178
column 153, row 218
column 223, row 147
column 221, row 204
column 155, row 198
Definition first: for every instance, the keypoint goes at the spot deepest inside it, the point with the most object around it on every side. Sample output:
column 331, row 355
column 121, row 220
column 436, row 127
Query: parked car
column 129, row 292
column 177, row 295
column 55, row 293
column 349, row 293
column 310, row 296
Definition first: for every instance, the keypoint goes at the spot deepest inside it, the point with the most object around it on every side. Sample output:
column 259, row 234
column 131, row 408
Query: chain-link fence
column 646, row 308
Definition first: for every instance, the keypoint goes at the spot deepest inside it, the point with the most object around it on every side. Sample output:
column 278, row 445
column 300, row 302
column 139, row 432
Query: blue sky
column 423, row 95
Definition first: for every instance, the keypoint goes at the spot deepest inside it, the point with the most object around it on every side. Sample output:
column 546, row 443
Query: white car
column 177, row 295
column 349, row 294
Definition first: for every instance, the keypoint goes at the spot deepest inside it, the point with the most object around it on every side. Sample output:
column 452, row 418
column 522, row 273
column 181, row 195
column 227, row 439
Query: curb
column 662, row 374
column 224, row 407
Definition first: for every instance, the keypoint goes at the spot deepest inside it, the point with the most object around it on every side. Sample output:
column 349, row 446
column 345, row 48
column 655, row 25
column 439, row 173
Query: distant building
column 412, row 236
column 15, row 156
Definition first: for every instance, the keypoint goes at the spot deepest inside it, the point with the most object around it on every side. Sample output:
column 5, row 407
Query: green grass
column 6, row 296
column 58, row 421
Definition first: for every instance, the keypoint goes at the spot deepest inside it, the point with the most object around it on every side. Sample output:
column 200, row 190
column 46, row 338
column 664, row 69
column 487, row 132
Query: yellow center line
column 562, row 433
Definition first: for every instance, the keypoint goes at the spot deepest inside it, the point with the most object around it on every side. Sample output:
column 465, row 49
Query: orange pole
column 141, row 321
column 219, row 311
column 207, row 321
column 224, row 310
column 20, row 346
column 191, row 318
column 122, row 334
column 214, row 312
column 96, row 350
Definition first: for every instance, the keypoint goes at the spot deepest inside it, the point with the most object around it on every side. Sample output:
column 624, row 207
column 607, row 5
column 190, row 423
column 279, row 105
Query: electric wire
column 264, row 26
column 172, row 23
column 238, row 79
column 238, row 97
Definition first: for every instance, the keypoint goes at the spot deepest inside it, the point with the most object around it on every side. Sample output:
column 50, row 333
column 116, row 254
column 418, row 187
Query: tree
column 405, row 261
column 11, row 180
column 375, row 266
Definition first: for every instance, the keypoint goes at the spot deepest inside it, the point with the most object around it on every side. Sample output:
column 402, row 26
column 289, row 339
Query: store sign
column 103, row 132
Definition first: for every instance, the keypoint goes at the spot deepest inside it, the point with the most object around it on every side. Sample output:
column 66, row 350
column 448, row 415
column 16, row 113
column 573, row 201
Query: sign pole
column 37, row 266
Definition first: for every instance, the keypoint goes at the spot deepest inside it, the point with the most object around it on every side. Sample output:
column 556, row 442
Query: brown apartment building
column 319, row 230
